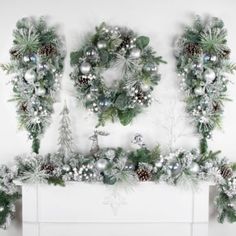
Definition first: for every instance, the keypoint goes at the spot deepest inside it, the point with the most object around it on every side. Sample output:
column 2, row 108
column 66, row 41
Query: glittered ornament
column 175, row 167
column 226, row 172
column 85, row 68
column 30, row 76
column 194, row 168
column 85, row 173
column 101, row 44
column 209, row 76
column 101, row 164
column 143, row 174
column 135, row 53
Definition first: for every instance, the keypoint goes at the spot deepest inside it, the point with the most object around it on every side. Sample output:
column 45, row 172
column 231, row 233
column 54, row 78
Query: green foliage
column 142, row 42
column 126, row 116
column 142, row 155
column 56, row 181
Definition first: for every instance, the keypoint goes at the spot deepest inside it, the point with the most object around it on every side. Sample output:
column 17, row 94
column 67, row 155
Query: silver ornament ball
column 213, row 58
column 135, row 53
column 30, row 76
column 85, row 68
column 209, row 76
column 101, row 164
column 194, row 168
column 150, row 67
column 101, row 44
column 175, row 167
column 1, row 209
column 199, row 91
column 41, row 91
column 26, row 59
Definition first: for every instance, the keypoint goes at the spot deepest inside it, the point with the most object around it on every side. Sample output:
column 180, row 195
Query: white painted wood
column 86, row 209
column 161, row 229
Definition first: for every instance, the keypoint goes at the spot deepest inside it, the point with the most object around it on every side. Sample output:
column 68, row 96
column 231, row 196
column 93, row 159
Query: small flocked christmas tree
column 65, row 140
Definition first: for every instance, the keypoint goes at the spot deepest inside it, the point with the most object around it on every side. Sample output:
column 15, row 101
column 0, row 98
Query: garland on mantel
column 122, row 49
column 116, row 165
column 37, row 58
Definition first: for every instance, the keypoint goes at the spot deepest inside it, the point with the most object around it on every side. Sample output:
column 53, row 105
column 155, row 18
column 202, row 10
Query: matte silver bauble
column 101, row 164
column 194, row 168
column 135, row 53
column 209, row 76
column 30, row 76
column 85, row 68
column 101, row 44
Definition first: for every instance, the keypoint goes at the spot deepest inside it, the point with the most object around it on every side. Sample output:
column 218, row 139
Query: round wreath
column 120, row 48
column 37, row 58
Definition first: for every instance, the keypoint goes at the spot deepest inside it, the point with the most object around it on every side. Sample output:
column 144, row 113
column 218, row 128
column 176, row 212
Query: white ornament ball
column 85, row 68
column 209, row 76
column 101, row 44
column 135, row 53
column 26, row 59
column 101, row 164
column 194, row 168
column 30, row 76
column 41, row 91
column 199, row 91
column 213, row 58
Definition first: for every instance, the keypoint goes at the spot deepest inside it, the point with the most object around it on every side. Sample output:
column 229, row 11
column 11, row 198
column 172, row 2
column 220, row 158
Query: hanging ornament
column 30, row 76
column 101, row 164
column 138, row 140
column 85, row 68
column 150, row 67
column 175, row 167
column 40, row 91
column 135, row 53
column 209, row 76
column 194, row 168
column 101, row 44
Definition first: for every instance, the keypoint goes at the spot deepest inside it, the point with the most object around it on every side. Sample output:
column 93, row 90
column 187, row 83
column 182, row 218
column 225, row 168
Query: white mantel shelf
column 98, row 210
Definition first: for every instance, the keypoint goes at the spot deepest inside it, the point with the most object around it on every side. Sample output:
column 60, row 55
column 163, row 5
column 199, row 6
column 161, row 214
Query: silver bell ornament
column 194, row 168
column 209, row 76
column 101, row 164
column 40, row 91
column 85, row 68
column 30, row 76
column 150, row 67
column 101, row 44
column 175, row 167
column 135, row 53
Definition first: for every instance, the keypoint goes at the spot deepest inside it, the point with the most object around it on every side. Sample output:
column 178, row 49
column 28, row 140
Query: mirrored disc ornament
column 85, row 68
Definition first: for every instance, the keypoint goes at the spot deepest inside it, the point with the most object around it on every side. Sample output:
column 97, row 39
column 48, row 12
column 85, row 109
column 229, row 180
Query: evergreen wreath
column 115, row 47
column 203, row 64
column 37, row 58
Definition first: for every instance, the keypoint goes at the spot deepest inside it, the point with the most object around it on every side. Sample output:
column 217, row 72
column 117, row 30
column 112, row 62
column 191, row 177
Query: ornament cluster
column 37, row 58
column 203, row 64
column 115, row 47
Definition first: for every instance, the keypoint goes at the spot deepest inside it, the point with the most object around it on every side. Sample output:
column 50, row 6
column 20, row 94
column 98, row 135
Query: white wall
column 162, row 20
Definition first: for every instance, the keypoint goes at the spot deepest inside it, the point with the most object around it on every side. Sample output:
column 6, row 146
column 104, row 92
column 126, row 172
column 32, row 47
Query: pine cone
column 143, row 174
column 15, row 54
column 192, row 49
column 226, row 172
column 48, row 50
column 225, row 53
column 84, row 81
column 49, row 168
